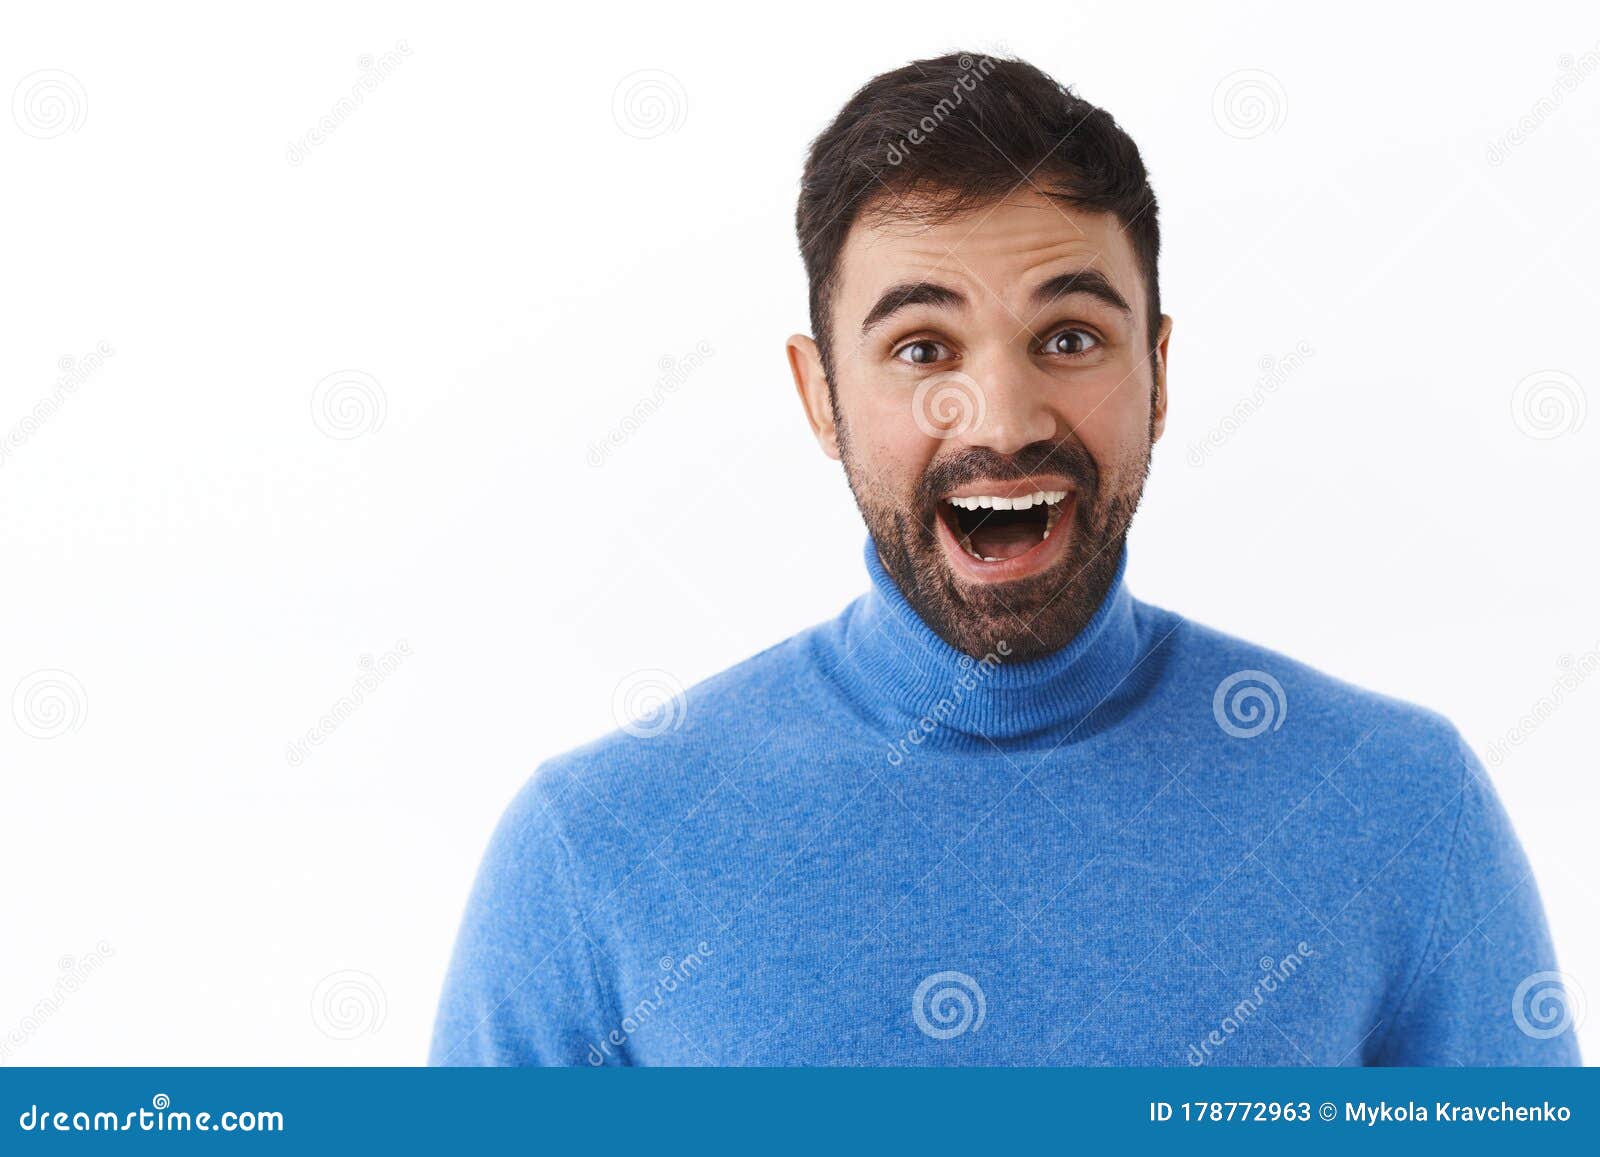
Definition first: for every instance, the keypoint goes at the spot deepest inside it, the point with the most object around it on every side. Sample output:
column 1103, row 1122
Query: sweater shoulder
column 681, row 743
column 1245, row 685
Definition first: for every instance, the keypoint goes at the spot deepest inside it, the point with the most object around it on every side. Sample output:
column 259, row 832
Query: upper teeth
column 1022, row 502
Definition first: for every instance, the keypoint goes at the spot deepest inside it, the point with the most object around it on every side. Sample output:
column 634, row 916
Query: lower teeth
column 1052, row 515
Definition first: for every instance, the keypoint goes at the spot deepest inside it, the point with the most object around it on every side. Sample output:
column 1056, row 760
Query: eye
column 1071, row 342
column 921, row 353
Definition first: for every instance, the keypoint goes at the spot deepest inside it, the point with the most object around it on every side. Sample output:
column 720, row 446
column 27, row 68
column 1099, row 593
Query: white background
column 512, row 252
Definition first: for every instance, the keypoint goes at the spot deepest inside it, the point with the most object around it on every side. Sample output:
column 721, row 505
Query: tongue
column 1005, row 541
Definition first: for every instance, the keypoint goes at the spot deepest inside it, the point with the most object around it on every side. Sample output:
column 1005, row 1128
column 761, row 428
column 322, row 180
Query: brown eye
column 1070, row 342
column 920, row 353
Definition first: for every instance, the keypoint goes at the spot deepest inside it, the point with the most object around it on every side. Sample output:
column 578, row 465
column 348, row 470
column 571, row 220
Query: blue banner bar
column 1284, row 1111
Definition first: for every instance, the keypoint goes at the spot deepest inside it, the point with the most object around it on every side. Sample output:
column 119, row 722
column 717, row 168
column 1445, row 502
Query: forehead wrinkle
column 1001, row 255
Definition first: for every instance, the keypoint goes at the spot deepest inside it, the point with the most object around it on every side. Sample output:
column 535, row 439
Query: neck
column 918, row 689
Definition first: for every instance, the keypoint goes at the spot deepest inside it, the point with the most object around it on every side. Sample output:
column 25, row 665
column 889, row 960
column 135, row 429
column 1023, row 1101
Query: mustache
column 973, row 463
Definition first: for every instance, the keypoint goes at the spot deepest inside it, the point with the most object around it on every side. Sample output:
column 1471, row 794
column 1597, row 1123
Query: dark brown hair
column 959, row 131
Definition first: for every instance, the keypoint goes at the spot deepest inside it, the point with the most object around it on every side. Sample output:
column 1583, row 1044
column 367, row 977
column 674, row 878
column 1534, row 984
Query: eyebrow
column 907, row 294
column 1089, row 281
column 911, row 293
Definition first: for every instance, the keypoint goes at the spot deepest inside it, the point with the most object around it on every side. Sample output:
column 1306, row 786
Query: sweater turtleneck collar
column 907, row 680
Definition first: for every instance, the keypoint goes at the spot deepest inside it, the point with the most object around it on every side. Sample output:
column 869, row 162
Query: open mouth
column 994, row 528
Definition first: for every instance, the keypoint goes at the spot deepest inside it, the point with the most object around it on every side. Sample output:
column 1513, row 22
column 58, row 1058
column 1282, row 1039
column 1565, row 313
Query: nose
column 1014, row 408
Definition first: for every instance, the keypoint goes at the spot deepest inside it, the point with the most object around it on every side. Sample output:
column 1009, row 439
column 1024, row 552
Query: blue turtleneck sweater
column 1157, row 846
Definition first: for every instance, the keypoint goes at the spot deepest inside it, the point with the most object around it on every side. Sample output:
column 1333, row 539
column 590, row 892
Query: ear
column 1158, row 418
column 805, row 362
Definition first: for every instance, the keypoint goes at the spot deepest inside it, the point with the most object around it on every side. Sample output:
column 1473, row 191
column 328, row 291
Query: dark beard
column 1033, row 616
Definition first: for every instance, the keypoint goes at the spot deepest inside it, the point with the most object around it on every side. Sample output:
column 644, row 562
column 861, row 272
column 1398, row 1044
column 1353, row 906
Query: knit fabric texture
column 1159, row 845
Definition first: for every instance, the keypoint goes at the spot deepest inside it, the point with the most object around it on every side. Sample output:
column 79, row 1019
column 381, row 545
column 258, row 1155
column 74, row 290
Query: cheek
column 1110, row 415
column 887, row 445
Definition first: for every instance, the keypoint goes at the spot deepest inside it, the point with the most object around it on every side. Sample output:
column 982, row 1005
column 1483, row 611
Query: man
column 999, row 811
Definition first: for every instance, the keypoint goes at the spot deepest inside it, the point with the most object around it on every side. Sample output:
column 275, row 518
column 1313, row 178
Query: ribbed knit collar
column 908, row 680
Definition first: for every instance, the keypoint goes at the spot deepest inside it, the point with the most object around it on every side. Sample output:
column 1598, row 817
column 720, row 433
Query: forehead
column 995, row 253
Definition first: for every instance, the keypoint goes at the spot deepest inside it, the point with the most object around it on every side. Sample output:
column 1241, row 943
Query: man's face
column 1002, row 360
